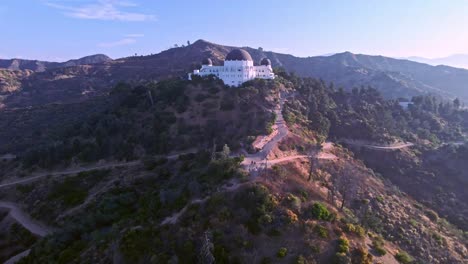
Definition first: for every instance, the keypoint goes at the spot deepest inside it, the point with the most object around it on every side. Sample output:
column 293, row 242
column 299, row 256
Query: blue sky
column 63, row 29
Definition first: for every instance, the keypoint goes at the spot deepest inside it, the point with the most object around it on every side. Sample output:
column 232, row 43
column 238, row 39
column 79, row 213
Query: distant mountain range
column 35, row 83
column 40, row 66
column 456, row 60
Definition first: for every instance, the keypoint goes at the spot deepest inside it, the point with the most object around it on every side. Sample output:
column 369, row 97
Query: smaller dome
column 207, row 61
column 265, row 62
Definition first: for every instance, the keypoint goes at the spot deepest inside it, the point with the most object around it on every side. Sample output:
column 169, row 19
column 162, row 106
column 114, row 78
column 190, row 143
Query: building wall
column 234, row 73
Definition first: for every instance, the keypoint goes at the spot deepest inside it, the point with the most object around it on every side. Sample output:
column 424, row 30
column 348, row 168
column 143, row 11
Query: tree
column 313, row 159
column 344, row 185
column 260, row 48
column 456, row 103
column 206, row 255
column 188, row 42
column 225, row 152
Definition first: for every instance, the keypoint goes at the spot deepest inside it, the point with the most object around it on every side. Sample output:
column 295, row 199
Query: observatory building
column 238, row 68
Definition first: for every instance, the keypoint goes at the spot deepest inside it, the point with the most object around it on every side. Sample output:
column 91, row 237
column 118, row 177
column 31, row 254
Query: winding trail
column 28, row 223
column 84, row 169
column 399, row 145
column 68, row 172
column 229, row 187
column 391, row 147
column 25, row 220
column 175, row 217
column 283, row 131
column 40, row 229
column 254, row 162
column 17, row 257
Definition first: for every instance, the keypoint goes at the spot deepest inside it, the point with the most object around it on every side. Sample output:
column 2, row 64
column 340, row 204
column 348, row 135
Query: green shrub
column 380, row 198
column 186, row 252
column 220, row 254
column 378, row 245
column 432, row 215
column 227, row 104
column 253, row 226
column 200, row 97
column 320, row 211
column 21, row 236
column 24, row 188
column 355, row 229
column 380, row 251
column 341, row 258
column 300, row 260
column 321, row 231
column 294, row 201
column 413, row 223
column 440, row 240
column 69, row 191
column 343, row 245
column 361, row 256
column 403, row 257
column 72, row 252
column 282, row 252
column 134, row 244
column 259, row 203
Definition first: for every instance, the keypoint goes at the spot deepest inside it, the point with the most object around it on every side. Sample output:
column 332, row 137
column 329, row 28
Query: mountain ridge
column 394, row 78
column 39, row 66
column 455, row 60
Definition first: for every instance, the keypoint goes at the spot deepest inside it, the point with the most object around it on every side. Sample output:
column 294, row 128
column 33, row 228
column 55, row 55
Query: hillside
column 166, row 173
column 71, row 82
column 127, row 162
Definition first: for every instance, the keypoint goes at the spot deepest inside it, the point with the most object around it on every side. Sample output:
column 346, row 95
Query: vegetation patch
column 321, row 231
column 378, row 246
column 282, row 252
column 319, row 211
column 403, row 257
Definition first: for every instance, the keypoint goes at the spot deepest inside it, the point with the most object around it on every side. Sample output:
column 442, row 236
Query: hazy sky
column 64, row 29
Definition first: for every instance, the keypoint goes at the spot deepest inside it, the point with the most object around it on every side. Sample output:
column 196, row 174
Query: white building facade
column 238, row 68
